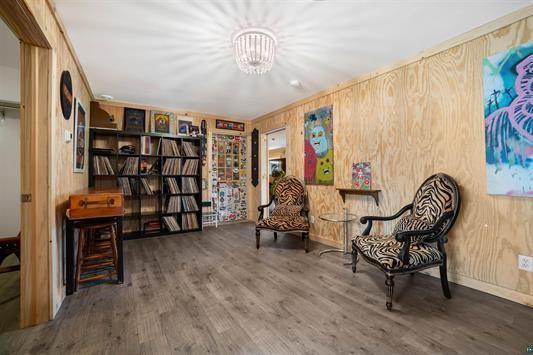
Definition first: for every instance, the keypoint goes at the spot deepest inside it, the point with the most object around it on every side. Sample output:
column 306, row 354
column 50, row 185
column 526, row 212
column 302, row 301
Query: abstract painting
column 318, row 147
column 508, row 105
column 80, row 126
column 362, row 176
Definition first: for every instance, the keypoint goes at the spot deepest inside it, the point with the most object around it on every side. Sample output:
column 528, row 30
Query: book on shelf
column 152, row 226
column 146, row 186
column 172, row 185
column 189, row 149
column 173, row 204
column 172, row 166
column 189, row 221
column 171, row 223
column 146, row 145
column 169, row 147
column 102, row 165
column 124, row 182
column 189, row 185
column 189, row 204
column 190, row 167
column 131, row 166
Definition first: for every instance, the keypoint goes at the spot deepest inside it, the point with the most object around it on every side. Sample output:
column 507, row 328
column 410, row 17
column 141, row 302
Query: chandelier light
column 254, row 50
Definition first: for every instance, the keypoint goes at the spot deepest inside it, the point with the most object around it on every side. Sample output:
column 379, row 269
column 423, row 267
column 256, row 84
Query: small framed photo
column 162, row 122
column 183, row 127
column 194, row 131
column 80, row 134
column 134, row 120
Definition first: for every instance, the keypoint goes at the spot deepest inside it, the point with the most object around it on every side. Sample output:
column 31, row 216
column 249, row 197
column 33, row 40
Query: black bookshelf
column 143, row 207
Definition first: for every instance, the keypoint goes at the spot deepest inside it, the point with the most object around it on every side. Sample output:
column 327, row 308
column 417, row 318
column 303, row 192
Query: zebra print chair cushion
column 411, row 223
column 287, row 210
column 284, row 223
column 434, row 198
column 385, row 250
column 290, row 191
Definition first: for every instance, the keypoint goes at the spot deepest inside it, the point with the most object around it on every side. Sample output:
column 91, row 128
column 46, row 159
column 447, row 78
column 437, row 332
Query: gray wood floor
column 213, row 292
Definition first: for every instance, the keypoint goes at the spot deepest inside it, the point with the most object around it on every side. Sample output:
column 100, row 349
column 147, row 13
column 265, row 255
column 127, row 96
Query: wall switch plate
column 311, row 219
column 525, row 263
column 68, row 136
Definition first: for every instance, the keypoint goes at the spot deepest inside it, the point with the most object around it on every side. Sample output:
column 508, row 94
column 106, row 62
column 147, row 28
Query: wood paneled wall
column 413, row 121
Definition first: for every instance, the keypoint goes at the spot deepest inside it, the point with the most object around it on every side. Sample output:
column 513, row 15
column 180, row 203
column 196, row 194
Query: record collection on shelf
column 160, row 175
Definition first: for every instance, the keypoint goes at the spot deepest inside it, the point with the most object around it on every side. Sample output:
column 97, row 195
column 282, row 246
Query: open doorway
column 273, row 161
column 9, row 179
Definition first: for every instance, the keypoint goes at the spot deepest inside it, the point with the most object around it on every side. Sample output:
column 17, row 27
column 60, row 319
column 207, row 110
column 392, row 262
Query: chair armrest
column 405, row 236
column 262, row 207
column 369, row 219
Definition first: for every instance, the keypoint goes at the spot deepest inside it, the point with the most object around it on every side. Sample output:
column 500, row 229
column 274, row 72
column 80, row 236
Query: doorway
column 273, row 161
column 9, row 179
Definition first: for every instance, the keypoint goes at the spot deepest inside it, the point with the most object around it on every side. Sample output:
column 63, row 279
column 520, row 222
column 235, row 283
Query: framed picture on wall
column 80, row 135
column 134, row 120
column 162, row 122
column 230, row 125
column 183, row 127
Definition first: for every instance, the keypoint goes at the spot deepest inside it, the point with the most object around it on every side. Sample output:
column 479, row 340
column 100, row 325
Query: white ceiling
column 178, row 53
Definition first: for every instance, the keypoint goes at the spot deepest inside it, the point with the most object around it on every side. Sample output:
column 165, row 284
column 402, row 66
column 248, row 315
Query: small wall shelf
column 374, row 193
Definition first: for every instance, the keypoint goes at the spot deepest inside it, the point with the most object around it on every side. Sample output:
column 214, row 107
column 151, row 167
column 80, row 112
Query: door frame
column 36, row 95
column 263, row 149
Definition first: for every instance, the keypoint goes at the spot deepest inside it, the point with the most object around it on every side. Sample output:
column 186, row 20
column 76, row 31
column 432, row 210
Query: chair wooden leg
column 354, row 259
column 444, row 280
column 257, row 237
column 275, row 235
column 389, row 282
column 306, row 241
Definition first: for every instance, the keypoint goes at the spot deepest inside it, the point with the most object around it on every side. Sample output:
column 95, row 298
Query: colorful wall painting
column 362, row 176
column 318, row 148
column 508, row 104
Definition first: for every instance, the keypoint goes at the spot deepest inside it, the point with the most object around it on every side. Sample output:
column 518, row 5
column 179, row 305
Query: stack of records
column 146, row 186
column 189, row 185
column 102, row 165
column 169, row 147
column 171, row 223
column 146, row 145
column 152, row 226
column 189, row 221
column 131, row 166
column 189, row 204
column 172, row 184
column 190, row 167
column 124, row 182
column 189, row 149
column 174, row 204
column 171, row 167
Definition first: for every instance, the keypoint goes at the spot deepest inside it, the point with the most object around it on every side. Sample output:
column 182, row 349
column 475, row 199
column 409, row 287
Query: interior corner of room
column 265, row 186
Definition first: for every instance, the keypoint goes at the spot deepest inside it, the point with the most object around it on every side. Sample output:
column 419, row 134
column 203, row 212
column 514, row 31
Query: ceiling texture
column 178, row 54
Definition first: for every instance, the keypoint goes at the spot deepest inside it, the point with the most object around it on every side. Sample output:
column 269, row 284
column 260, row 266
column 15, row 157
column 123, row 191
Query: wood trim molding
column 59, row 22
column 453, row 42
column 22, row 21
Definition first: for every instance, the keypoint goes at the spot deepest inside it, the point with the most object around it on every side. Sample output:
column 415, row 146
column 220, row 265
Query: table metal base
column 335, row 251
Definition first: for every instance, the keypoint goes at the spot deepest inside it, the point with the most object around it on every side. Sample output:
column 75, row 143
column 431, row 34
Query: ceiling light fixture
column 254, row 49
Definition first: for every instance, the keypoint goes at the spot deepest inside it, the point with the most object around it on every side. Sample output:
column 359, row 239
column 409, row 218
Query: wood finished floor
column 213, row 292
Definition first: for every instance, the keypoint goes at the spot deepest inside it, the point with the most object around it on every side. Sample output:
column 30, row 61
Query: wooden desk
column 93, row 206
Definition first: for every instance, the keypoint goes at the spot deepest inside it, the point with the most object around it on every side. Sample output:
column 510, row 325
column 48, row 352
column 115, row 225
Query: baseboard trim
column 511, row 295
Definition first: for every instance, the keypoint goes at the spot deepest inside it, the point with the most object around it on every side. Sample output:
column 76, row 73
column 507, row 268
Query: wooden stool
column 97, row 252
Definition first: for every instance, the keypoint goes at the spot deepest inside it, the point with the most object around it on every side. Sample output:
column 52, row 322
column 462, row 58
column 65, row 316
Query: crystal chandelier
column 254, row 50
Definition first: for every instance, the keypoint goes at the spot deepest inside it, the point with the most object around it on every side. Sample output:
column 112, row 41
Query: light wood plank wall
column 116, row 108
column 413, row 121
column 62, row 179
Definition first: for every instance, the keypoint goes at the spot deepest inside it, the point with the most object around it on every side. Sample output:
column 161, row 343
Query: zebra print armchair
column 290, row 213
column 418, row 239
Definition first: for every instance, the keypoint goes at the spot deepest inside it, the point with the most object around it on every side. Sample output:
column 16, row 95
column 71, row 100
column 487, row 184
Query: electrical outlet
column 311, row 219
column 525, row 263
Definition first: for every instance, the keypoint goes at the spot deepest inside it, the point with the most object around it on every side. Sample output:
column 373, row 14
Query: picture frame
column 194, row 131
column 230, row 125
column 162, row 122
column 134, row 120
column 183, row 127
column 80, row 136
column 66, row 95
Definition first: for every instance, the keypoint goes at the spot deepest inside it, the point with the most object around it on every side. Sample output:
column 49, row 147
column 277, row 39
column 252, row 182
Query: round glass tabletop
column 338, row 217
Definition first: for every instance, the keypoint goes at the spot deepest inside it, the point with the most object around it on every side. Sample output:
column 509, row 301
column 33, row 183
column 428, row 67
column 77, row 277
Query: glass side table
column 343, row 218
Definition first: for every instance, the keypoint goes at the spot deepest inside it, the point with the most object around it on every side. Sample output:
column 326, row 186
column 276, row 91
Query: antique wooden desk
column 89, row 206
